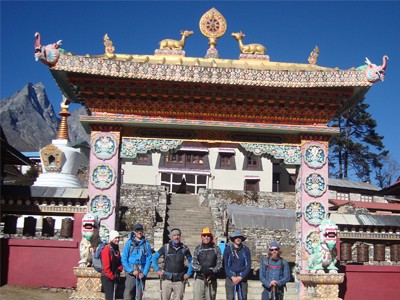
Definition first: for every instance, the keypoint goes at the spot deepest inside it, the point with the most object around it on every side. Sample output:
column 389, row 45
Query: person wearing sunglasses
column 136, row 259
column 274, row 273
column 207, row 262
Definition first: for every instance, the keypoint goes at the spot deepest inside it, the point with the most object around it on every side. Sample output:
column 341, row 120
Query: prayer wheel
column 345, row 251
column 362, row 253
column 395, row 252
column 29, row 226
column 379, row 252
column 67, row 226
column 10, row 224
column 48, row 226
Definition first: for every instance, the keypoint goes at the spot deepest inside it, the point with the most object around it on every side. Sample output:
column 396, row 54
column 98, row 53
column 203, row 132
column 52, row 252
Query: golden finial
column 212, row 26
column 312, row 59
column 109, row 47
column 64, row 113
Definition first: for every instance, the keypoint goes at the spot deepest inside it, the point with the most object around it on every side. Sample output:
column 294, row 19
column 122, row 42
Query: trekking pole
column 234, row 291
column 273, row 293
column 142, row 289
column 136, row 287
column 240, row 291
column 160, row 288
column 115, row 288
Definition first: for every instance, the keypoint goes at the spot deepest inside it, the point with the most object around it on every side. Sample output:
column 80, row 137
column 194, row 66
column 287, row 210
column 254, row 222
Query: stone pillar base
column 321, row 286
column 88, row 286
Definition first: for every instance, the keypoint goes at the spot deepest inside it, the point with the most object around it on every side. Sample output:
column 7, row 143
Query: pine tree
column 358, row 150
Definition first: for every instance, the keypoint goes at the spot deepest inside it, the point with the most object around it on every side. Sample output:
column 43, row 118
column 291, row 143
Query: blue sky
column 345, row 32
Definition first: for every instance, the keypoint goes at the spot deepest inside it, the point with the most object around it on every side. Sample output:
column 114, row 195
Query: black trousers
column 108, row 287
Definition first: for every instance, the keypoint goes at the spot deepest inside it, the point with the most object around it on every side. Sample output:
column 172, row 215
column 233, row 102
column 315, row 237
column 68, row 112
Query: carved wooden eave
column 128, row 88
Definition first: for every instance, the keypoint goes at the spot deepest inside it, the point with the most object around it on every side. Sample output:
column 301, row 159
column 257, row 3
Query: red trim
column 368, row 205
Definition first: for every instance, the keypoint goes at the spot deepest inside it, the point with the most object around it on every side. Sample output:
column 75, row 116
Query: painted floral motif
column 103, row 176
column 315, row 185
column 314, row 213
column 130, row 148
column 101, row 206
column 104, row 146
column 291, row 155
column 312, row 239
column 104, row 233
column 315, row 156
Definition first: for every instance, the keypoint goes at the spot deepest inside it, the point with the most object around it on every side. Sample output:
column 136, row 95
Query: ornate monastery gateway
column 173, row 104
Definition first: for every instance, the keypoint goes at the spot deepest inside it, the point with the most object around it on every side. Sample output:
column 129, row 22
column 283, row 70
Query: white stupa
column 60, row 161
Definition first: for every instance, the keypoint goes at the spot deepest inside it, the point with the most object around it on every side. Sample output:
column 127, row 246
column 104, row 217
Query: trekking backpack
column 96, row 259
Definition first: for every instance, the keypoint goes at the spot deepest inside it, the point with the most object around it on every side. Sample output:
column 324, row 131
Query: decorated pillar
column 103, row 176
column 316, row 261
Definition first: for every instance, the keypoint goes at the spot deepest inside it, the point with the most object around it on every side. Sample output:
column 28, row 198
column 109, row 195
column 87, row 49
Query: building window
column 252, row 163
column 226, row 161
column 143, row 159
column 342, row 196
column 194, row 160
column 174, row 159
column 366, row 198
column 252, row 185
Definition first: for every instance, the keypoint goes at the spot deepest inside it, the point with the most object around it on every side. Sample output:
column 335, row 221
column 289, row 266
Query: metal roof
column 366, row 220
column 332, row 182
column 257, row 217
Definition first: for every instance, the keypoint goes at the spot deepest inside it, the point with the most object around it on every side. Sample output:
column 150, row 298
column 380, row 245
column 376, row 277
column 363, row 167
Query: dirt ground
column 13, row 292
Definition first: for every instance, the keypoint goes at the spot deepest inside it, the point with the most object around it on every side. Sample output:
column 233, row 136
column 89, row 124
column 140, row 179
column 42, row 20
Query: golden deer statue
column 250, row 48
column 175, row 44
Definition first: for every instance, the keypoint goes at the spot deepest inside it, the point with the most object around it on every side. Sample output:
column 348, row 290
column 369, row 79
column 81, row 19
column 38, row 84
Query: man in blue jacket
column 136, row 260
column 274, row 273
column 237, row 265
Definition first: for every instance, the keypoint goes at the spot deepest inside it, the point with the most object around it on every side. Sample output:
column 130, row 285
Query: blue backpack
column 96, row 259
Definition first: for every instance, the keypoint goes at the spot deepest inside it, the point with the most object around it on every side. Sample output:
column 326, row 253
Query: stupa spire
column 64, row 113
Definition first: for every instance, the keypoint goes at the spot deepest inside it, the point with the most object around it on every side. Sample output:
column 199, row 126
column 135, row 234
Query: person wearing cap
column 173, row 275
column 136, row 259
column 207, row 262
column 237, row 266
column 111, row 262
column 274, row 273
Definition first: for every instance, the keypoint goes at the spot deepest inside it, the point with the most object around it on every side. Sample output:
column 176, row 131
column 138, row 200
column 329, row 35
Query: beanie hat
column 174, row 231
column 137, row 227
column 274, row 245
column 206, row 230
column 113, row 234
column 236, row 234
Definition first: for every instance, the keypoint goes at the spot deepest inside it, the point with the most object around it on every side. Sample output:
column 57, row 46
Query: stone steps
column 152, row 290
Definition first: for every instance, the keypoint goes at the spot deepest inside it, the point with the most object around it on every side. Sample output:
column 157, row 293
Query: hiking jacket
column 136, row 255
column 207, row 256
column 237, row 262
column 111, row 262
column 174, row 259
column 274, row 271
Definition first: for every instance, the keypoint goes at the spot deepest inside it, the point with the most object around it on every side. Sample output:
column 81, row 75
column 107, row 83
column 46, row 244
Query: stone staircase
column 185, row 213
column 152, row 290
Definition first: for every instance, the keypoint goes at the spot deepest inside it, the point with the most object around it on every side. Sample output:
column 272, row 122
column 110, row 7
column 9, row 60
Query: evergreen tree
column 358, row 150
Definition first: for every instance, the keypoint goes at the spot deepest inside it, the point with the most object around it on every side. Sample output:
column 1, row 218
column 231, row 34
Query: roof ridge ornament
column 313, row 58
column 250, row 51
column 109, row 47
column 212, row 25
column 174, row 47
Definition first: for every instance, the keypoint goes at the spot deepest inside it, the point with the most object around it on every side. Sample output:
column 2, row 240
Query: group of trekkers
column 207, row 262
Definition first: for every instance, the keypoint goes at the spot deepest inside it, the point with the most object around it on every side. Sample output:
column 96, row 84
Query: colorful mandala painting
column 312, row 240
column 104, row 146
column 314, row 213
column 104, row 233
column 315, row 156
column 315, row 185
column 103, row 176
column 101, row 206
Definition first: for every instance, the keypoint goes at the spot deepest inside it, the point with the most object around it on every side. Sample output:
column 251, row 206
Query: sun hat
column 236, row 234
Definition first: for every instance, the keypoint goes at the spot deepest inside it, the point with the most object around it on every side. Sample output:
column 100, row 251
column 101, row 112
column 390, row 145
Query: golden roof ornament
column 173, row 47
column 313, row 58
column 212, row 26
column 64, row 113
column 109, row 47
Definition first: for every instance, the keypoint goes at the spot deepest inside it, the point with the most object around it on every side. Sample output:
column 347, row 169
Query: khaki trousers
column 204, row 290
column 168, row 287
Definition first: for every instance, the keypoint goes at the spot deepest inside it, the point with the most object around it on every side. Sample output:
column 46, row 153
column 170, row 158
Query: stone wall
column 144, row 204
column 257, row 238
